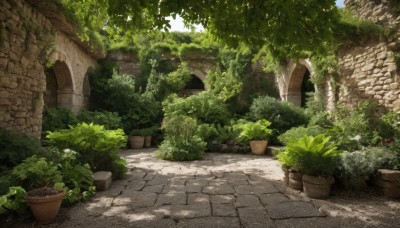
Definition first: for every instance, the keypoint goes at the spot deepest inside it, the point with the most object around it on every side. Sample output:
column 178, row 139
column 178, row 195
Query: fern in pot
column 44, row 181
column 316, row 158
column 258, row 134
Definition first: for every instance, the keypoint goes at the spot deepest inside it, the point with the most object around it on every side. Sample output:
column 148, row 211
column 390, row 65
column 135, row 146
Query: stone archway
column 294, row 82
column 59, row 86
column 194, row 86
column 299, row 86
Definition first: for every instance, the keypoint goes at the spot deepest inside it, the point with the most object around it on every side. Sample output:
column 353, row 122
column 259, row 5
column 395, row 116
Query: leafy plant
column 209, row 133
column 78, row 179
column 57, row 118
column 35, row 172
column 110, row 120
column 298, row 132
column 205, row 107
column 96, row 146
column 286, row 159
column 282, row 115
column 181, row 142
column 13, row 201
column 256, row 130
column 313, row 155
column 356, row 167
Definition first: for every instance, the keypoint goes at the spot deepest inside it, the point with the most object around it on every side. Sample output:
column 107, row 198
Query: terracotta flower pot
column 295, row 180
column 44, row 207
column 147, row 141
column 136, row 142
column 317, row 187
column 258, row 147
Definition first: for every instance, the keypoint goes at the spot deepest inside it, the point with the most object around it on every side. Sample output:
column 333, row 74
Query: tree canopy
column 290, row 26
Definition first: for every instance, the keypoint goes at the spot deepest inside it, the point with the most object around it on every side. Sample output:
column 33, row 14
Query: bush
column 209, row 133
column 181, row 142
column 358, row 128
column 96, row 146
column 298, row 132
column 313, row 155
column 204, row 107
column 78, row 178
column 57, row 118
column 110, row 120
column 282, row 115
column 15, row 147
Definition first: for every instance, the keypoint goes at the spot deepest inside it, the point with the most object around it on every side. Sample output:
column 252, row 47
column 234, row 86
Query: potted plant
column 257, row 133
column 148, row 133
column 287, row 163
column 44, row 181
column 315, row 157
column 136, row 138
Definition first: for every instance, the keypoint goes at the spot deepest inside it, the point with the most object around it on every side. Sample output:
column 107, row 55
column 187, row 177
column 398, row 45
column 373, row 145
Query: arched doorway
column 299, row 85
column 194, row 86
column 59, row 86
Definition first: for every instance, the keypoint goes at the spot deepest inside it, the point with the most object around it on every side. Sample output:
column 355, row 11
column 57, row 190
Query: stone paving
column 223, row 190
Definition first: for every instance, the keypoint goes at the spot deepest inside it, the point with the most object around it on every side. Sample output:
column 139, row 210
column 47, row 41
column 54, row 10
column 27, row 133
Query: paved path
column 223, row 190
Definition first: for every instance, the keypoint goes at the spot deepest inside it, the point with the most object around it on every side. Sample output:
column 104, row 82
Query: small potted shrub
column 44, row 181
column 257, row 133
column 316, row 158
column 287, row 163
column 136, row 138
column 148, row 133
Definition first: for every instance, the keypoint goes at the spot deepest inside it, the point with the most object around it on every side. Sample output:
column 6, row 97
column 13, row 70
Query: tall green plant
column 256, row 130
column 313, row 155
column 181, row 140
column 96, row 146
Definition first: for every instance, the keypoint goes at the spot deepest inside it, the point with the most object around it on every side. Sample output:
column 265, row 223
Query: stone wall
column 369, row 70
column 27, row 40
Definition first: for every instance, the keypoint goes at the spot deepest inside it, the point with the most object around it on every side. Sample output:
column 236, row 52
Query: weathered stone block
column 102, row 180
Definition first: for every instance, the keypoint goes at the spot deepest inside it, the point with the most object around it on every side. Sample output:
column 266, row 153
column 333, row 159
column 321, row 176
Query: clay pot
column 388, row 182
column 258, row 147
column 295, row 180
column 44, row 208
column 136, row 142
column 317, row 187
column 147, row 141
column 286, row 175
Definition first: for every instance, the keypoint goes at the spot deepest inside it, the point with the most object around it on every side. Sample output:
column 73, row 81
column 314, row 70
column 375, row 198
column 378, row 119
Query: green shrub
column 110, row 120
column 356, row 167
column 204, row 107
column 282, row 115
column 96, row 146
column 313, row 155
column 57, row 118
column 286, row 159
column 354, row 129
column 35, row 172
column 78, row 179
column 322, row 119
column 256, row 131
column 16, row 147
column 181, row 142
column 298, row 132
column 208, row 132
column 13, row 201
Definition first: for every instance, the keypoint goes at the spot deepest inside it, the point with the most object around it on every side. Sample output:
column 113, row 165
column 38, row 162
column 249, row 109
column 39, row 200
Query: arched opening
column 59, row 86
column 299, row 86
column 194, row 86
